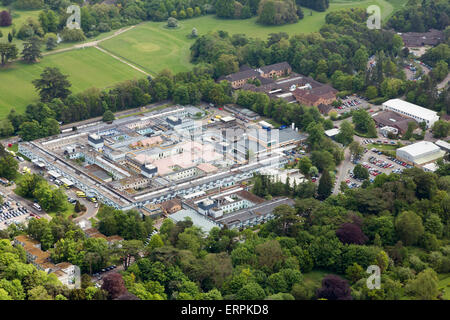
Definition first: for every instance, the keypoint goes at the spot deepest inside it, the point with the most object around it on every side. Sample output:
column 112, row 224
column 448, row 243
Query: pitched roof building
column 420, row 39
column 315, row 96
column 66, row 272
column 264, row 74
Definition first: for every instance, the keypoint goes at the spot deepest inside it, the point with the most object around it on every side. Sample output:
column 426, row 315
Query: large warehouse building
column 411, row 110
column 420, row 153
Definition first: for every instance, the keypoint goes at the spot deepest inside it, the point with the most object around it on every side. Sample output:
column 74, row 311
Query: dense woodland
column 421, row 16
column 400, row 223
column 337, row 55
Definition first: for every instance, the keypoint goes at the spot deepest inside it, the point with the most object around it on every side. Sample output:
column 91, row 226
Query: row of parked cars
column 402, row 163
column 380, row 163
column 104, row 270
column 7, row 212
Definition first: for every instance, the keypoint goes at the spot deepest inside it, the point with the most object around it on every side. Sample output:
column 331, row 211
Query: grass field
column 149, row 46
column 18, row 19
column 444, row 283
column 153, row 47
column 86, row 68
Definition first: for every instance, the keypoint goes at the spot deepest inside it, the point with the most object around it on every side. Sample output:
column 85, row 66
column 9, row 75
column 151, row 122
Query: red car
column 220, row 108
column 313, row 179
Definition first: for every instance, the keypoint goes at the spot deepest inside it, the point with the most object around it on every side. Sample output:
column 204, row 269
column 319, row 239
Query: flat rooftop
column 411, row 108
column 248, row 213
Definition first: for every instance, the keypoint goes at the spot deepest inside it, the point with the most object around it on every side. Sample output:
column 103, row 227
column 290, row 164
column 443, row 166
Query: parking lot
column 376, row 163
column 13, row 212
column 352, row 103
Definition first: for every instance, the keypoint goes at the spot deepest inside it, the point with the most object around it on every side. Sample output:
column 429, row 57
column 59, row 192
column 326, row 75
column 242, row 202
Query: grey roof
column 282, row 66
column 243, row 75
column 289, row 134
column 198, row 219
column 249, row 213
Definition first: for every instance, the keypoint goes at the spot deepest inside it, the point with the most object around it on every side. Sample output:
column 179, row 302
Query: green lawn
column 315, row 277
column 153, row 47
column 18, row 19
column 382, row 147
column 444, row 283
column 86, row 68
column 150, row 46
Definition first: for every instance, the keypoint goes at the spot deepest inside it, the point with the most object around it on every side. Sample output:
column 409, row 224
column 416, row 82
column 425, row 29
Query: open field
column 444, row 283
column 86, row 68
column 149, row 46
column 153, row 47
column 18, row 19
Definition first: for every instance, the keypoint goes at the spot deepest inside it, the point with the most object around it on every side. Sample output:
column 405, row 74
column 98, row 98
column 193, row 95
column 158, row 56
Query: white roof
column 227, row 119
column 332, row 132
column 54, row 174
column 432, row 166
column 420, row 148
column 443, row 144
column 411, row 108
column 266, row 124
column 66, row 181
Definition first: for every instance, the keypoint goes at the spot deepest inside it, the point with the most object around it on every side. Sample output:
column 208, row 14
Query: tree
column 10, row 37
column 424, row 286
column 113, row 284
column 286, row 217
column 304, row 164
column 225, row 8
column 356, row 149
column 371, row 92
column 5, row 19
column 269, row 254
column 8, row 166
column 325, row 186
column 350, row 233
column 345, row 135
column 8, row 52
column 409, row 228
column 51, row 42
column 38, row 293
column 172, row 22
column 194, row 33
column 360, row 59
column 354, row 272
column 52, row 84
column 441, row 129
column 334, row 288
column 364, row 123
column 108, row 116
column 32, row 50
column 251, row 291
column 30, row 130
column 360, row 172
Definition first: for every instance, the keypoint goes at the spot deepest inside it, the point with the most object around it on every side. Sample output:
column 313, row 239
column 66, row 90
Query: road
column 90, row 43
column 147, row 108
column 8, row 191
column 342, row 169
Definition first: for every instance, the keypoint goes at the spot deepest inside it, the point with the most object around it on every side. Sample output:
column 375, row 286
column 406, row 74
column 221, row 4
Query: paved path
column 341, row 170
column 444, row 82
column 89, row 44
column 121, row 60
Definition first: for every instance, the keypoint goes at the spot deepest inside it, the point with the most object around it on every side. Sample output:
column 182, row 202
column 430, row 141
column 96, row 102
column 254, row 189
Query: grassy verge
column 444, row 284
column 383, row 147
column 143, row 112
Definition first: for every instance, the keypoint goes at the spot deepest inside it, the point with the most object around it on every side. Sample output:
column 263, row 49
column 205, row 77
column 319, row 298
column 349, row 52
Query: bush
column 377, row 101
column 103, row 27
column 73, row 35
column 172, row 23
